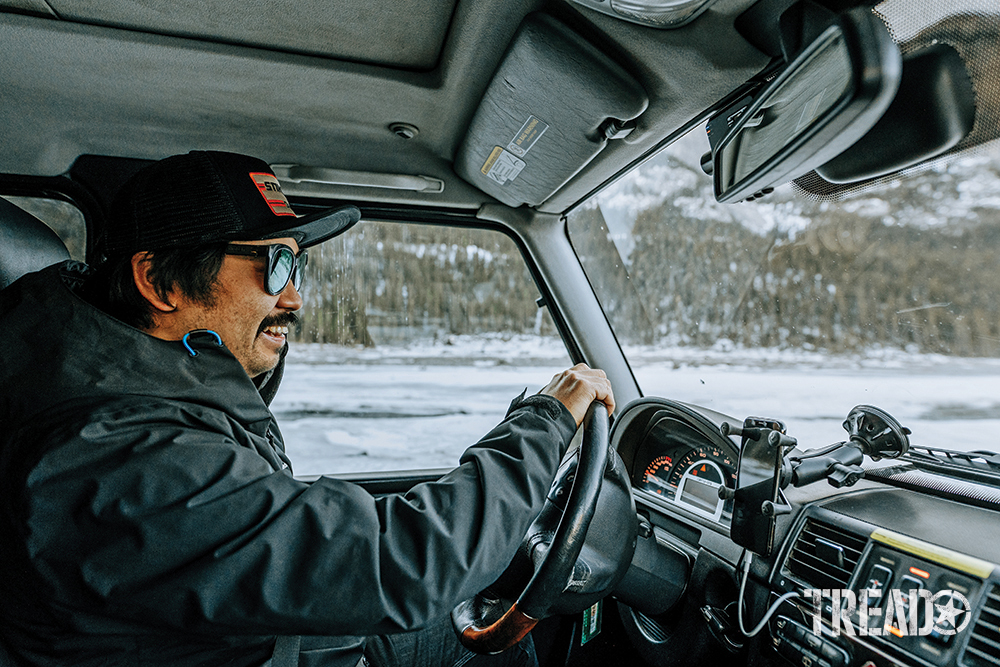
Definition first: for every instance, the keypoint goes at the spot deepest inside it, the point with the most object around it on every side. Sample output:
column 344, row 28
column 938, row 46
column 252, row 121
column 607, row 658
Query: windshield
column 799, row 310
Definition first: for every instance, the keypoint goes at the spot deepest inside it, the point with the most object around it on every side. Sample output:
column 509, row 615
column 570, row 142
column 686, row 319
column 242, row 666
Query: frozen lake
column 345, row 410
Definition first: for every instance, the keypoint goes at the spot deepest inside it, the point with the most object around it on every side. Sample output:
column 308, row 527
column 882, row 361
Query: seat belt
column 286, row 651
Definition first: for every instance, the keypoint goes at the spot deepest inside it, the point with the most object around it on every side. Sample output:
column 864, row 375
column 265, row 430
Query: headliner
column 307, row 84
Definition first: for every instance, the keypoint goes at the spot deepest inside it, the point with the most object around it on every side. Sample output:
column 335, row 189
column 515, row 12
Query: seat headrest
column 26, row 244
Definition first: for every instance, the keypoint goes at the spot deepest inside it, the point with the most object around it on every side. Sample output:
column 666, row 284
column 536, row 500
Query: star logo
column 951, row 612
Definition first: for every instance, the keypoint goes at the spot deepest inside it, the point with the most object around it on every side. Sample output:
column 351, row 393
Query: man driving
column 149, row 514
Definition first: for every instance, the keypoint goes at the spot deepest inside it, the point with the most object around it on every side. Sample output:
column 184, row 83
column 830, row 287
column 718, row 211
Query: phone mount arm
column 873, row 433
column 840, row 467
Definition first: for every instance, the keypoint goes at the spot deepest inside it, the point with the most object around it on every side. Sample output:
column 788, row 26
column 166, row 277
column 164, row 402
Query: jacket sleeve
column 168, row 525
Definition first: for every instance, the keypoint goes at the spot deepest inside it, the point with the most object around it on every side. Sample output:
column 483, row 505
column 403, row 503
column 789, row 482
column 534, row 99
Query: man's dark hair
column 193, row 271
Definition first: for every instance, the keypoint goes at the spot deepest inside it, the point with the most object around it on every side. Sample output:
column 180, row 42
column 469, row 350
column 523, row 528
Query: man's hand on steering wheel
column 486, row 624
column 578, row 387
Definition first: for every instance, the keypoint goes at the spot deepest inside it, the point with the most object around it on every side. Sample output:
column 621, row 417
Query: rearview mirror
column 833, row 91
column 934, row 109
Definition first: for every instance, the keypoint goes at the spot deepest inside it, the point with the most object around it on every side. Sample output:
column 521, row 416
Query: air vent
column 984, row 644
column 825, row 556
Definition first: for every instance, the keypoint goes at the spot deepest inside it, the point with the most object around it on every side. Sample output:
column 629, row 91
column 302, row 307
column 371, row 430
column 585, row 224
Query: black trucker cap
column 209, row 196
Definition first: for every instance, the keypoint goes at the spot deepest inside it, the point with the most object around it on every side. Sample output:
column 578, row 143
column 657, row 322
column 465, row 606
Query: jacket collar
column 66, row 349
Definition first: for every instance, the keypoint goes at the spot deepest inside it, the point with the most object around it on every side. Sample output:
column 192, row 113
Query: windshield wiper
column 980, row 466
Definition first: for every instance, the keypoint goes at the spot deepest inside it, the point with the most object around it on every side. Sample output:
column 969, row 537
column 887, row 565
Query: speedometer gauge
column 697, row 477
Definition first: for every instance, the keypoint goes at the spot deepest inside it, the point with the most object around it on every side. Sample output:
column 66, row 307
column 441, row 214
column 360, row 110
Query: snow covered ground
column 419, row 406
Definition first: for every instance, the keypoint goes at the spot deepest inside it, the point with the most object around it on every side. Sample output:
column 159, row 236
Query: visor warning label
column 526, row 137
column 501, row 166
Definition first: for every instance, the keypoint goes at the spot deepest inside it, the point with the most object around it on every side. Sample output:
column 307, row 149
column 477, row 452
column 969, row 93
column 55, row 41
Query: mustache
column 281, row 320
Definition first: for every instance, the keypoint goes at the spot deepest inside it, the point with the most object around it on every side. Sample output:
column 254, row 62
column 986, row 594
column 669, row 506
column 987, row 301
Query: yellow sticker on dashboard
column 934, row 553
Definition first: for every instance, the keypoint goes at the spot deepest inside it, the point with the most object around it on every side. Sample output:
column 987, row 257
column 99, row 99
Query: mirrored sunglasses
column 283, row 265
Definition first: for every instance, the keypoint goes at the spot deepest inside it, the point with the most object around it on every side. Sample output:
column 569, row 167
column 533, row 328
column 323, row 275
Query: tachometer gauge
column 655, row 477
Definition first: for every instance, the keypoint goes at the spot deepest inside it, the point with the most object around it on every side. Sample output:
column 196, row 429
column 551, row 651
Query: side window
column 62, row 217
column 412, row 341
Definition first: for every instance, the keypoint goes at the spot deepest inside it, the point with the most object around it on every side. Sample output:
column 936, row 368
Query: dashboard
column 847, row 564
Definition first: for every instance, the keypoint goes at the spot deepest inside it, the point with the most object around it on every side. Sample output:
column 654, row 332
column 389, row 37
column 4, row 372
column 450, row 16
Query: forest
column 393, row 283
column 861, row 274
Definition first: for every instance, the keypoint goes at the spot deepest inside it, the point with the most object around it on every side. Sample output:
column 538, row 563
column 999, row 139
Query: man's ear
column 140, row 273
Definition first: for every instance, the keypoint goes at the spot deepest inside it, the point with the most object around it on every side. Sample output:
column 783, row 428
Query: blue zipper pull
column 184, row 341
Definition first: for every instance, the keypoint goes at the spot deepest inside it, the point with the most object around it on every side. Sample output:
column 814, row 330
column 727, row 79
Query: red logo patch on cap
column 270, row 190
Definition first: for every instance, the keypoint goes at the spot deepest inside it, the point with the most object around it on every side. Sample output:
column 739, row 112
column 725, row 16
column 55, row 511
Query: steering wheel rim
column 553, row 572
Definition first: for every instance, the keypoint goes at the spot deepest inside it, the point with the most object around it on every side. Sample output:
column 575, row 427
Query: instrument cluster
column 681, row 463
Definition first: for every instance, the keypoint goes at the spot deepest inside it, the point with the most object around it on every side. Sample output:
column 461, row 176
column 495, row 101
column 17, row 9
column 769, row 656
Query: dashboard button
column 833, row 654
column 879, row 578
column 789, row 650
column 808, row 659
column 907, row 584
column 789, row 629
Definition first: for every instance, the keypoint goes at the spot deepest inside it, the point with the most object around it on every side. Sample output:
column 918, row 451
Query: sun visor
column 553, row 104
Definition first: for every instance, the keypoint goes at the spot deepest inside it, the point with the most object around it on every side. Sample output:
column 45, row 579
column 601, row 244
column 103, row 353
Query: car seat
column 26, row 244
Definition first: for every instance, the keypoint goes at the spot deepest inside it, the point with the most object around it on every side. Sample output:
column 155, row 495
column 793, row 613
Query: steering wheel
column 481, row 623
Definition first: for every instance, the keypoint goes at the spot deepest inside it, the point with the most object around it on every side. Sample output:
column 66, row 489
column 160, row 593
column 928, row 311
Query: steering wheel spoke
column 483, row 636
